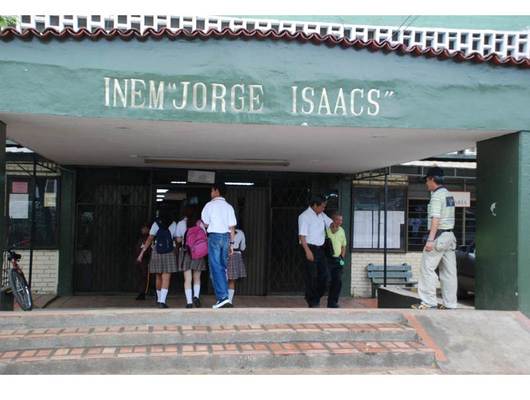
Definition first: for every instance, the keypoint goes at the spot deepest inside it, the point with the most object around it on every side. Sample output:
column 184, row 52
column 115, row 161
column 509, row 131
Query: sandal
column 422, row 306
column 442, row 307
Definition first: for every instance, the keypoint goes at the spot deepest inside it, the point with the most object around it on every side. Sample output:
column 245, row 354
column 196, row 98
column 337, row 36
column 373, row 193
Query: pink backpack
column 196, row 241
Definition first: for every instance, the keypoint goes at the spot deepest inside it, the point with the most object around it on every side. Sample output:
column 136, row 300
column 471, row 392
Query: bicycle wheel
column 20, row 289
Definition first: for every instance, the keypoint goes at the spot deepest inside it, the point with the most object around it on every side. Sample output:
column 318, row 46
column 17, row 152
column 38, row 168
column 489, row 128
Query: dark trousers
column 141, row 276
column 335, row 283
column 316, row 276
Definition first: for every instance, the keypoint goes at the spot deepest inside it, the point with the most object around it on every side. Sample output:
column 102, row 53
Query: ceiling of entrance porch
column 139, row 143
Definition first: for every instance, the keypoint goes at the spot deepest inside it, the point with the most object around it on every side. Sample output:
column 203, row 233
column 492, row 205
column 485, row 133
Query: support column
column 6, row 297
column 3, row 221
column 345, row 206
column 502, row 276
column 67, row 233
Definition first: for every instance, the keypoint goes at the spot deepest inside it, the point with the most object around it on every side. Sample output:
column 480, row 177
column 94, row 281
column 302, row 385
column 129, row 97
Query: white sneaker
column 223, row 304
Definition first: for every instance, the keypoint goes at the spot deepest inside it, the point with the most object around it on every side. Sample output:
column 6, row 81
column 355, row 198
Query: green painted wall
column 67, row 233
column 67, row 78
column 496, row 237
column 523, row 240
column 503, row 251
column 496, row 22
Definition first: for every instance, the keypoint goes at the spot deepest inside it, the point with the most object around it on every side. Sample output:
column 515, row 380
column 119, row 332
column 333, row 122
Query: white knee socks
column 163, row 295
column 197, row 290
column 231, row 294
column 158, row 295
column 188, row 295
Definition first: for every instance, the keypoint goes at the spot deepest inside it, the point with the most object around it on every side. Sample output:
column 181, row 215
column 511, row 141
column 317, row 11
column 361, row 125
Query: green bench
column 395, row 275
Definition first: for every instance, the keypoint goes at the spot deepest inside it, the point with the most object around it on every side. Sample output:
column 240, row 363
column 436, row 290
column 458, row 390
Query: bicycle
column 17, row 280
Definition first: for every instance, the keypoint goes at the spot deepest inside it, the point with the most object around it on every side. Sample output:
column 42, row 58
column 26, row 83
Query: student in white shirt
column 236, row 265
column 220, row 220
column 163, row 259
column 312, row 224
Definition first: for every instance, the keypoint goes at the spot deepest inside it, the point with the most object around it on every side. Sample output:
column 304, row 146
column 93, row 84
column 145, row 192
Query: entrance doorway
column 113, row 203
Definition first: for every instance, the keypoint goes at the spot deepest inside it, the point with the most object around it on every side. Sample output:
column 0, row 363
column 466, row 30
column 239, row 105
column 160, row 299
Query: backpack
column 196, row 242
column 164, row 241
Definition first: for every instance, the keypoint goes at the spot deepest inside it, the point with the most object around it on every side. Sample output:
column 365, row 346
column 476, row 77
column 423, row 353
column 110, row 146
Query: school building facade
column 128, row 113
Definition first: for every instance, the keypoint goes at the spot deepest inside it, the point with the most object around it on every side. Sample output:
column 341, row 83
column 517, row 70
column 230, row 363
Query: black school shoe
column 189, row 305
column 162, row 305
column 196, row 302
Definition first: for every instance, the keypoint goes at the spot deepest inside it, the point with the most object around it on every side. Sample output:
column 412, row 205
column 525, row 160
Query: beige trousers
column 443, row 257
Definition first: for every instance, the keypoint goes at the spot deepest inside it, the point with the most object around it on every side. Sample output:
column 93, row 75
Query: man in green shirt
column 439, row 251
column 337, row 237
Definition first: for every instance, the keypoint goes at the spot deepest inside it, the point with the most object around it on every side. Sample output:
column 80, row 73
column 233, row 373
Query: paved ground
column 245, row 340
column 264, row 340
column 128, row 301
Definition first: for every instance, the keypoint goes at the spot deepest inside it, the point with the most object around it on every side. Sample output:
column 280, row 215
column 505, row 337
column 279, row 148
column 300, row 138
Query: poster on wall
column 50, row 193
column 19, row 187
column 18, row 206
column 369, row 228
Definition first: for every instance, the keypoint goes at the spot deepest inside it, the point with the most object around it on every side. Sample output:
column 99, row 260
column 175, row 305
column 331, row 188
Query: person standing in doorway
column 312, row 224
column 163, row 259
column 236, row 265
column 220, row 220
column 337, row 236
column 142, row 267
column 191, row 267
column 439, row 251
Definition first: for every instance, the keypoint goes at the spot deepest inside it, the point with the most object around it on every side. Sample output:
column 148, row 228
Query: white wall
column 45, row 270
column 360, row 284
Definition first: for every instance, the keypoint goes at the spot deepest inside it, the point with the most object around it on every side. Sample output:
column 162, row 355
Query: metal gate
column 111, row 207
column 288, row 199
column 252, row 209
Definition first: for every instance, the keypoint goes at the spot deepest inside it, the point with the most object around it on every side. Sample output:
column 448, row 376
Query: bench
column 395, row 275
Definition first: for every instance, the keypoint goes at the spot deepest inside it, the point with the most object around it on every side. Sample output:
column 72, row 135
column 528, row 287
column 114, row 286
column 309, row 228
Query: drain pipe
column 32, row 230
column 385, row 250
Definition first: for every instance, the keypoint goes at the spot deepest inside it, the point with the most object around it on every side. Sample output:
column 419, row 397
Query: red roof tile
column 227, row 33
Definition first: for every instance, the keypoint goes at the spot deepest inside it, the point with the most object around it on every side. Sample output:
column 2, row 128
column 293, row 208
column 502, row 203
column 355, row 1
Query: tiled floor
column 128, row 301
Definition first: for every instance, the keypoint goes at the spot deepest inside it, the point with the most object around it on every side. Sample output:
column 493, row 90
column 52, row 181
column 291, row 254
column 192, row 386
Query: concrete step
column 142, row 335
column 218, row 358
column 220, row 341
column 153, row 316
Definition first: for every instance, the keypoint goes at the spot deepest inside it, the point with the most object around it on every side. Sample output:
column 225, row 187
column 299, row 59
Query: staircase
column 224, row 341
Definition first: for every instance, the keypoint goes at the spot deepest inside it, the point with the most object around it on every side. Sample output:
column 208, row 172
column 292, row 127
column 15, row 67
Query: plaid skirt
column 161, row 263
column 236, row 267
column 185, row 262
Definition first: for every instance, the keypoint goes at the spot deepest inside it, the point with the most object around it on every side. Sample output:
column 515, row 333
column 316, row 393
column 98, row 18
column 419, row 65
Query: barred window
column 368, row 218
column 19, row 216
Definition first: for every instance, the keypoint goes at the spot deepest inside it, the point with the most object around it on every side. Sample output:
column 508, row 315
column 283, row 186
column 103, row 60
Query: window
column 417, row 224
column 19, row 212
column 464, row 229
column 368, row 218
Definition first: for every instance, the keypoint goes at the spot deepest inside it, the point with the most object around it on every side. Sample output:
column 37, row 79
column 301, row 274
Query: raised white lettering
column 308, row 100
column 184, row 102
column 156, row 95
column 255, row 99
column 137, row 93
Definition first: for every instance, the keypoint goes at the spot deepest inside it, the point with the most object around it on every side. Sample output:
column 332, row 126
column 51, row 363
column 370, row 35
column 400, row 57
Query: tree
column 7, row 21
